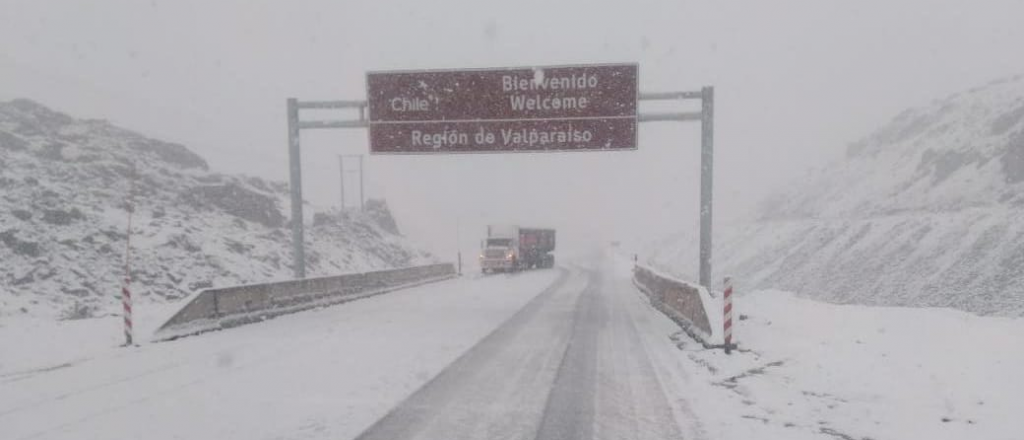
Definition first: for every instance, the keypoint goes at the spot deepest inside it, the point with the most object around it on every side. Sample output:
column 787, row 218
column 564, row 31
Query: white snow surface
column 926, row 211
column 806, row 369
column 320, row 374
column 815, row 370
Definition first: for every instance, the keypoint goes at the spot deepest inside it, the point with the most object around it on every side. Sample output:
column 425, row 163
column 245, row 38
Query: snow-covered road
column 320, row 374
column 570, row 365
column 548, row 354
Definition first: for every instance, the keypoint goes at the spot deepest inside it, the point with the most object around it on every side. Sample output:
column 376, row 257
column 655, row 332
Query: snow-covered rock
column 64, row 187
column 926, row 211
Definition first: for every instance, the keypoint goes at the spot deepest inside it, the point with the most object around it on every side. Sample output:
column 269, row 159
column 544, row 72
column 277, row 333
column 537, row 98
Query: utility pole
column 341, row 162
column 341, row 169
column 362, row 198
column 458, row 241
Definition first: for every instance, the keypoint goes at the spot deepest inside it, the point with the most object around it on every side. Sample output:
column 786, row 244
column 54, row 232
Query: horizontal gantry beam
column 362, row 121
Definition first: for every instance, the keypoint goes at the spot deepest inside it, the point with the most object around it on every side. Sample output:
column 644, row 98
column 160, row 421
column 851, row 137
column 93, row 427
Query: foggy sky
column 795, row 82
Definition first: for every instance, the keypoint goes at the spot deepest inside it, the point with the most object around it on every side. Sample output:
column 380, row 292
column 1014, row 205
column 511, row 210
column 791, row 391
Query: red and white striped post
column 727, row 321
column 126, row 302
column 126, row 294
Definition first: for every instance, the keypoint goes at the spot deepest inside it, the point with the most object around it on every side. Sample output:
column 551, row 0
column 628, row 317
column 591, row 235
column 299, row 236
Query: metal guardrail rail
column 678, row 300
column 225, row 307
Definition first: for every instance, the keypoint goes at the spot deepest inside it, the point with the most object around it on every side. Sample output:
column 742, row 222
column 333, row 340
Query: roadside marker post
column 727, row 321
column 126, row 294
column 126, row 302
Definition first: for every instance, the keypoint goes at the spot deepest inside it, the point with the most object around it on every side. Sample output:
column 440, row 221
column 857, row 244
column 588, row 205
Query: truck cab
column 499, row 251
column 512, row 248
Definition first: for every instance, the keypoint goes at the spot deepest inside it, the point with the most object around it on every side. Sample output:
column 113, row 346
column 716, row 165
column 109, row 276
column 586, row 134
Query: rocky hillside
column 926, row 211
column 64, row 200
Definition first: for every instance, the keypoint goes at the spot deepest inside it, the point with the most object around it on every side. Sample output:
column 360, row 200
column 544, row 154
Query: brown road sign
column 555, row 108
column 505, row 136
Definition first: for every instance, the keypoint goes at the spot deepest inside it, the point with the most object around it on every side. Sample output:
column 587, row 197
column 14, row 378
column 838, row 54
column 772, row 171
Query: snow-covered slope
column 63, row 220
column 926, row 211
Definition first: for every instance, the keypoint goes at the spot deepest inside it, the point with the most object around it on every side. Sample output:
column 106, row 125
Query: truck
column 515, row 248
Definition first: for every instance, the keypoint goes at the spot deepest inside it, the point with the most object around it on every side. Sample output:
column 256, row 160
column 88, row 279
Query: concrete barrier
column 225, row 307
column 685, row 303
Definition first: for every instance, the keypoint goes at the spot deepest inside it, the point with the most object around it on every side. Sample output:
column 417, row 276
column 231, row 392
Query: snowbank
column 858, row 372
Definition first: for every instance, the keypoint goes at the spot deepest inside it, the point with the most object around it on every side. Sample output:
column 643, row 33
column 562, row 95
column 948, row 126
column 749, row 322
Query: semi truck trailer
column 515, row 248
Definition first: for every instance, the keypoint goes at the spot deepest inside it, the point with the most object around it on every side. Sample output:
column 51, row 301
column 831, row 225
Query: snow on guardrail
column 226, row 307
column 688, row 304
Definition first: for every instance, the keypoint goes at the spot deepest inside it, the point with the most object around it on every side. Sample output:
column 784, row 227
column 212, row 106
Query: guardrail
column 219, row 308
column 685, row 303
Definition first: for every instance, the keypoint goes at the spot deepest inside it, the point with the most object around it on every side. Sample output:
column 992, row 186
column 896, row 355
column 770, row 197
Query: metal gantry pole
column 706, row 117
column 295, row 125
column 707, row 158
column 295, row 180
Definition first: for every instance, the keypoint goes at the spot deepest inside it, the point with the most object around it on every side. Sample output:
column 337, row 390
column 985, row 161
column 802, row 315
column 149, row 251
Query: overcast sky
column 795, row 82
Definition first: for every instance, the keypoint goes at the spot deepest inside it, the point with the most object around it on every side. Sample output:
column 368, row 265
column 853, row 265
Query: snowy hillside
column 63, row 220
column 926, row 211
